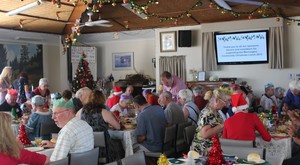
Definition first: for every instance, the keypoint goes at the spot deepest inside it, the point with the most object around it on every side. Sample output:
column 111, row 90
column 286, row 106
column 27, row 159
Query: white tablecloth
column 128, row 139
column 277, row 150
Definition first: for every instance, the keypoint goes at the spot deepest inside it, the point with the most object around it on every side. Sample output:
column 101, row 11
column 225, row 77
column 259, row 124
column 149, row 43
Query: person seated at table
column 151, row 126
column 75, row 136
column 279, row 94
column 82, row 94
column 190, row 109
column 268, row 100
column 292, row 98
column 11, row 102
column 95, row 114
column 115, row 98
column 198, row 93
column 121, row 108
column 173, row 111
column 150, row 97
column 43, row 90
column 210, row 122
column 294, row 132
column 242, row 125
column 129, row 91
column 67, row 94
column 40, row 115
column 12, row 151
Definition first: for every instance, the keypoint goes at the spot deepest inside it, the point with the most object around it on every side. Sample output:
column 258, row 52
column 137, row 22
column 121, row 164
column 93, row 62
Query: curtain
column 276, row 48
column 209, row 60
column 176, row 65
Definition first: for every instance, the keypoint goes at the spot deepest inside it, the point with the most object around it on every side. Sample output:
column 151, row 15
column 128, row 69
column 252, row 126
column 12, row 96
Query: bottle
column 14, row 113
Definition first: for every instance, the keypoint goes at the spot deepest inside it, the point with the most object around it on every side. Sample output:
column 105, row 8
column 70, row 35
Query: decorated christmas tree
column 215, row 156
column 83, row 76
column 23, row 135
column 162, row 160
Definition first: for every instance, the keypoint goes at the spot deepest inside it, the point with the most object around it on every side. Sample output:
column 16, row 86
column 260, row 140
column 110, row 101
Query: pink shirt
column 177, row 85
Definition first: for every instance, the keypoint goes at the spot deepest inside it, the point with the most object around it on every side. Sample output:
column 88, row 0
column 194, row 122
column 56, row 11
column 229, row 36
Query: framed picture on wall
column 122, row 61
column 168, row 41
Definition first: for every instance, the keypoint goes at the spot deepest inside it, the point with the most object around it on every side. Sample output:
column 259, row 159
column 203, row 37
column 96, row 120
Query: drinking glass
column 38, row 141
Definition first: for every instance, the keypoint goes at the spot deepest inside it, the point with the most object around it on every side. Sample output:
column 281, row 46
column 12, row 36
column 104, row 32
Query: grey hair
column 43, row 81
column 279, row 91
column 85, row 91
column 167, row 95
column 294, row 84
column 197, row 90
column 186, row 94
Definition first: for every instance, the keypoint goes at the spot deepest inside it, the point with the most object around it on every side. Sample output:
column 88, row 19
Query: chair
column 168, row 143
column 189, row 133
column 64, row 161
column 180, row 142
column 88, row 157
column 48, row 128
column 114, row 163
column 237, row 143
column 136, row 159
column 101, row 142
column 242, row 152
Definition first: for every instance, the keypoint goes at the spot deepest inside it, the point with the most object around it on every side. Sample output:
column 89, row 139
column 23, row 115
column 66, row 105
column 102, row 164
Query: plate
column 34, row 149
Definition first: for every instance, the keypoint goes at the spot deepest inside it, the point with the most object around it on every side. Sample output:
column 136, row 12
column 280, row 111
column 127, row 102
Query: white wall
column 256, row 75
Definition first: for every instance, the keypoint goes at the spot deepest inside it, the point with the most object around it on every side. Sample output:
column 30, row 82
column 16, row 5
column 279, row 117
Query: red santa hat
column 117, row 90
column 238, row 102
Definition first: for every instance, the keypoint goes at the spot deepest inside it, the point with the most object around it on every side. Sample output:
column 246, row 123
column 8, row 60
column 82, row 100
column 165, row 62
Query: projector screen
column 248, row 47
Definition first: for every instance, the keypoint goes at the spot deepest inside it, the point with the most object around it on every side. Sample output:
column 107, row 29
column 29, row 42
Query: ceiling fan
column 223, row 4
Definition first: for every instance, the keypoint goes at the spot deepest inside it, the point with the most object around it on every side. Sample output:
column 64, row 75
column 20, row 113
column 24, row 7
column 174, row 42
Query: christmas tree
column 23, row 135
column 83, row 76
column 215, row 156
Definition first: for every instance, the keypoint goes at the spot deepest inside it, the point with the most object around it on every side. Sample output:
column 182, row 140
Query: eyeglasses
column 56, row 113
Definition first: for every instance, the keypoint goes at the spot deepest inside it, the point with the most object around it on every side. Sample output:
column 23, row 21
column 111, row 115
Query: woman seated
column 39, row 115
column 199, row 97
column 43, row 91
column 99, row 119
column 121, row 108
column 242, row 125
column 12, row 151
column 150, row 97
column 190, row 109
column 210, row 122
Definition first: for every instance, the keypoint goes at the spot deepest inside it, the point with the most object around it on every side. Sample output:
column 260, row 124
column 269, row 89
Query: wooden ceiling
column 48, row 18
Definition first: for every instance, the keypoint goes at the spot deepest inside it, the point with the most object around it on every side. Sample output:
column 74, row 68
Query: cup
column 38, row 140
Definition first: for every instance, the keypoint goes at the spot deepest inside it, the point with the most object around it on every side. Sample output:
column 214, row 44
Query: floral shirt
column 206, row 117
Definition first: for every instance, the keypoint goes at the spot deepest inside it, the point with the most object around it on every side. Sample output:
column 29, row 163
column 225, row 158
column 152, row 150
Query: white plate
column 260, row 162
column 34, row 149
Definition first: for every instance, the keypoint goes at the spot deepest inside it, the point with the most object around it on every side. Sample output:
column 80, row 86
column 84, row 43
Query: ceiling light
column 223, row 4
column 128, row 7
column 23, row 8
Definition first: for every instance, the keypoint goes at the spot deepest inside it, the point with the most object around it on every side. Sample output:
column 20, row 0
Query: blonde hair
column 217, row 93
column 6, row 74
column 8, row 142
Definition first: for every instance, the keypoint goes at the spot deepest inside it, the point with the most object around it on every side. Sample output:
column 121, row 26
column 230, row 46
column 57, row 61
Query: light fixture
column 223, row 4
column 26, row 7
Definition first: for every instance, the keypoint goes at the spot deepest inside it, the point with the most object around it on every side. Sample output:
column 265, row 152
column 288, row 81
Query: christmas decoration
column 215, row 156
column 23, row 135
column 83, row 76
column 162, row 160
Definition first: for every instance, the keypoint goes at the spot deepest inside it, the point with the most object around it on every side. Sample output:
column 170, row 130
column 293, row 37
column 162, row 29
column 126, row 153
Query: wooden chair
column 180, row 141
column 168, row 143
column 237, row 143
column 189, row 133
column 88, row 157
column 64, row 161
column 100, row 141
column 242, row 152
column 136, row 159
column 48, row 128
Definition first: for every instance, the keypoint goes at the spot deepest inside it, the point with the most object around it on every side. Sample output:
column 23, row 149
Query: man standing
column 172, row 84
column 150, row 127
column 173, row 112
column 75, row 135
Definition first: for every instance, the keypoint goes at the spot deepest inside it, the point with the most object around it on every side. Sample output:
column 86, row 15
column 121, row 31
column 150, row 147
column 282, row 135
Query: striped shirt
column 75, row 137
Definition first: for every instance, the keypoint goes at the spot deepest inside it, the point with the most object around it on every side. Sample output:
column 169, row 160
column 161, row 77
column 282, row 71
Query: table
column 202, row 160
column 47, row 152
column 128, row 139
column 276, row 150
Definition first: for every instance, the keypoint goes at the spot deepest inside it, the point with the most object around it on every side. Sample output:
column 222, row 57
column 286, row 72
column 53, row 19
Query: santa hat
column 117, row 90
column 238, row 102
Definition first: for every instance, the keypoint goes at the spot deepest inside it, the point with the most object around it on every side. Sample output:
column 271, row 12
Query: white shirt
column 75, row 137
column 268, row 102
column 117, row 107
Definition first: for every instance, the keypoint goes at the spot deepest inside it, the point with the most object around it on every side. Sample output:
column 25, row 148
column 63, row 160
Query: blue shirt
column 152, row 124
column 292, row 101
